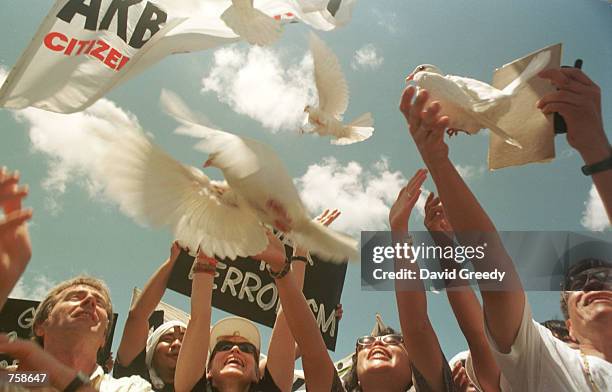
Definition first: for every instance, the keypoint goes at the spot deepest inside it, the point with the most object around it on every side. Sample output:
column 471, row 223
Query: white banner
column 84, row 48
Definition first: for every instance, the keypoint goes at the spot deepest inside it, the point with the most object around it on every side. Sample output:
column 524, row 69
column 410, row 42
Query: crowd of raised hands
column 504, row 345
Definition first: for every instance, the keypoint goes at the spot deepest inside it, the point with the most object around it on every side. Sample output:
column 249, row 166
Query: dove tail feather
column 365, row 120
column 501, row 133
column 357, row 134
column 537, row 64
column 326, row 243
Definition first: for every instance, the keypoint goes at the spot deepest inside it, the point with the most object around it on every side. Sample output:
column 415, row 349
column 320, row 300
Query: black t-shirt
column 419, row 382
column 266, row 384
column 138, row 367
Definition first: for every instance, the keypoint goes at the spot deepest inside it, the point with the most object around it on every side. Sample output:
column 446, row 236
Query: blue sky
column 76, row 230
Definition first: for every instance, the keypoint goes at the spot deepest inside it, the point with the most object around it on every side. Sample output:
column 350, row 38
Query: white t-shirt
column 538, row 362
column 106, row 383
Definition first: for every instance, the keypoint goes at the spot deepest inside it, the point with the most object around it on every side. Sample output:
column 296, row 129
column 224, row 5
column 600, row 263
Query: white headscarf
column 152, row 341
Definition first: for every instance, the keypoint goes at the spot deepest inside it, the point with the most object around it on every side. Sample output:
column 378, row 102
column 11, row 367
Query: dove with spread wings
column 332, row 89
column 252, row 24
column 471, row 104
column 226, row 219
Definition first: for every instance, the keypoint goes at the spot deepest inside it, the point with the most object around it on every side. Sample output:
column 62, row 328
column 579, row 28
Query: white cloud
column 388, row 20
column 74, row 144
column 363, row 196
column 594, row 216
column 367, row 57
column 255, row 82
column 469, row 172
column 35, row 290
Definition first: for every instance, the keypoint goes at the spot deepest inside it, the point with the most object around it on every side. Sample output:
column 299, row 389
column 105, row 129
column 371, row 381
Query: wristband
column 299, row 258
column 79, row 380
column 600, row 166
column 280, row 274
column 206, row 265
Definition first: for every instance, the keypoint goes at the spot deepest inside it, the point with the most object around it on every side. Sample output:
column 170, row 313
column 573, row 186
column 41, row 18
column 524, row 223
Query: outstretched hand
column 175, row 250
column 14, row 237
column 406, row 199
column 426, row 125
column 327, row 217
column 274, row 255
column 435, row 217
column 578, row 100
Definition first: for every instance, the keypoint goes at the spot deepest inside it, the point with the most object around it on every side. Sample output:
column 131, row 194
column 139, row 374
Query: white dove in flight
column 471, row 104
column 333, row 100
column 251, row 24
column 225, row 219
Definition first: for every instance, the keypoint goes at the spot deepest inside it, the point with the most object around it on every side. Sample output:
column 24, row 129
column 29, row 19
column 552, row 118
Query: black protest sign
column 243, row 287
column 16, row 320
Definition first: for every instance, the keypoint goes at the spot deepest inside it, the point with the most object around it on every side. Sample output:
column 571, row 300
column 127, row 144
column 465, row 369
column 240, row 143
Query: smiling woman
column 382, row 353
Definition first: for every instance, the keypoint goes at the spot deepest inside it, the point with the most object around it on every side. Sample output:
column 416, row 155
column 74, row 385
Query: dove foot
column 454, row 131
column 282, row 221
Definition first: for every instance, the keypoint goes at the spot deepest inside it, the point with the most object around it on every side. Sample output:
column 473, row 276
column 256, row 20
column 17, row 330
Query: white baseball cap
column 235, row 326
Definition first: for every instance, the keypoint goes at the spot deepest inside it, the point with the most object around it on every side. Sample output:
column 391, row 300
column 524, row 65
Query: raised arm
column 503, row 309
column 318, row 366
column 419, row 337
column 578, row 100
column 191, row 364
column 281, row 352
column 463, row 301
column 15, row 247
column 34, row 359
column 136, row 329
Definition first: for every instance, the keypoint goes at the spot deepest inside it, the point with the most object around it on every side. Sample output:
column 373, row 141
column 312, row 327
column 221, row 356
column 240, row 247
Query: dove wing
column 444, row 89
column 154, row 188
column 483, row 95
column 251, row 24
column 331, row 83
column 231, row 152
column 257, row 174
column 450, row 93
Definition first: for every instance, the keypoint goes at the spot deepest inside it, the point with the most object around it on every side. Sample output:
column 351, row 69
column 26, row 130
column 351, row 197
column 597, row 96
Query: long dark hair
column 351, row 380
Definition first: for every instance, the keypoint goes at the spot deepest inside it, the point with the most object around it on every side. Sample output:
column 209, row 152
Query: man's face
column 167, row 350
column 80, row 309
column 590, row 308
column 233, row 362
column 384, row 356
column 586, row 306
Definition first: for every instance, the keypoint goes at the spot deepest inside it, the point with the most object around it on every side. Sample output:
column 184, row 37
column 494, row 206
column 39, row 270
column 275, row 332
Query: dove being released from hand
column 251, row 24
column 225, row 219
column 471, row 104
column 333, row 99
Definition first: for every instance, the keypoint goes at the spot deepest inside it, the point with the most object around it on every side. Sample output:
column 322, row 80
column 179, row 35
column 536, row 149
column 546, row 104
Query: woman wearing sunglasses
column 235, row 342
column 375, row 353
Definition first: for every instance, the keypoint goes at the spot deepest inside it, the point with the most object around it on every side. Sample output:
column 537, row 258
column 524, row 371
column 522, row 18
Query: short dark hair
column 351, row 380
column 46, row 305
column 558, row 329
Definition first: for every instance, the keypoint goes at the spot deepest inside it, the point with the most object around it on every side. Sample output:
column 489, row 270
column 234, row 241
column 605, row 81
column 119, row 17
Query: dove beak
column 410, row 77
column 208, row 163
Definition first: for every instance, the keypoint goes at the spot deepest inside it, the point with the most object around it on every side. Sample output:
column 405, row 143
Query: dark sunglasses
column 601, row 275
column 367, row 341
column 226, row 345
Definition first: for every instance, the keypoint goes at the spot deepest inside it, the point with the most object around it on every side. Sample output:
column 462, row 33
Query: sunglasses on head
column 367, row 341
column 599, row 276
column 226, row 345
